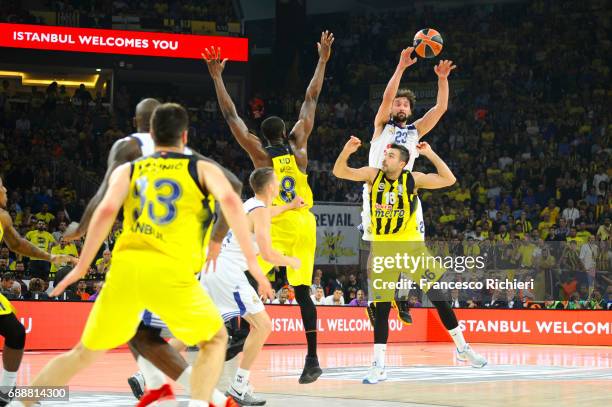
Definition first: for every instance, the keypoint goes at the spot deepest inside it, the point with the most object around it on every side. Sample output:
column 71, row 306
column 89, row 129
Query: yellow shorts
column 421, row 266
column 294, row 233
column 6, row 307
column 156, row 284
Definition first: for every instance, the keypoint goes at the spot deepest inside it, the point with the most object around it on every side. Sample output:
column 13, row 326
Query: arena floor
column 423, row 374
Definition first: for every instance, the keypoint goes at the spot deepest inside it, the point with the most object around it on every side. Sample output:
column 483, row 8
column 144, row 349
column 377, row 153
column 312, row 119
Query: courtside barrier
column 58, row 325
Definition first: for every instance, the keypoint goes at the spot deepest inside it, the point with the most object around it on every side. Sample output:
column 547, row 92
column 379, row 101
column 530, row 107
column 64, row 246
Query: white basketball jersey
column 147, row 145
column 391, row 134
column 230, row 249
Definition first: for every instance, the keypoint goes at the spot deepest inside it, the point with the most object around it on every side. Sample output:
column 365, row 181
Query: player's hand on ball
column 444, row 68
column 214, row 248
column 405, row 58
column 324, row 47
column 352, row 145
column 212, row 56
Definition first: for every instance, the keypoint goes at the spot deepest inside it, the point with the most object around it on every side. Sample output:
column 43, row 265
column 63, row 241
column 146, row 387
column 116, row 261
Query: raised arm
column 122, row 151
column 433, row 115
column 343, row 171
column 261, row 224
column 101, row 224
column 444, row 176
column 384, row 110
column 248, row 141
column 303, row 127
column 231, row 205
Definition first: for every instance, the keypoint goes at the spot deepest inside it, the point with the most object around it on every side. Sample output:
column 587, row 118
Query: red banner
column 341, row 325
column 553, row 327
column 58, row 325
column 120, row 42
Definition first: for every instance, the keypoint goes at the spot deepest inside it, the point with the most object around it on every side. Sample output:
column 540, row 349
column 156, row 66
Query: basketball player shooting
column 391, row 127
column 293, row 232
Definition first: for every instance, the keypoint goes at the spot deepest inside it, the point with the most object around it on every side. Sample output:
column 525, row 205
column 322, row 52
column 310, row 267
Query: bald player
column 148, row 345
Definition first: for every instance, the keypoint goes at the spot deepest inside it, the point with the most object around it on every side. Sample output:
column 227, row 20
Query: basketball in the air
column 428, row 43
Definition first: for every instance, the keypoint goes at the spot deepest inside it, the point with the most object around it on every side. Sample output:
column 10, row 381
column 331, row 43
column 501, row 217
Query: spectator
column 61, row 229
column 597, row 302
column 318, row 297
column 337, row 298
column 455, row 301
column 63, row 247
column 43, row 240
column 6, row 285
column 44, row 215
column 82, row 97
column 604, row 231
column 570, row 214
column 103, row 264
column 360, row 300
column 81, row 290
column 97, row 288
column 413, row 302
column 511, row 301
column 283, row 297
column 36, row 290
column 588, row 256
column 316, row 283
column 352, row 284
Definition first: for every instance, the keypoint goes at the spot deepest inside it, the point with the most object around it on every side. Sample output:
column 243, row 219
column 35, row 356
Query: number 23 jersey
column 166, row 213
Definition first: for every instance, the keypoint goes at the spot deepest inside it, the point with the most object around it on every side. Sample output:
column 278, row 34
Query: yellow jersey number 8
column 287, row 189
column 167, row 201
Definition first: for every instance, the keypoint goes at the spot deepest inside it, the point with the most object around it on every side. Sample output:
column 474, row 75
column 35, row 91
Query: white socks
column 184, row 380
column 380, row 350
column 9, row 379
column 198, row 403
column 458, row 338
column 154, row 379
column 241, row 380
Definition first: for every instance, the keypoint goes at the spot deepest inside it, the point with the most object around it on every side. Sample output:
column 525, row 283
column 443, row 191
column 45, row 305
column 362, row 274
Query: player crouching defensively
column 395, row 187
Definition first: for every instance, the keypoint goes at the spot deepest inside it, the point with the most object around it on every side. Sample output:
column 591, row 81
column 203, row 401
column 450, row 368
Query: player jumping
column 393, row 203
column 294, row 232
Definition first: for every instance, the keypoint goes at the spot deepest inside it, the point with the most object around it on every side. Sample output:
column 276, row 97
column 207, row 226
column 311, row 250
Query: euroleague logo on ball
column 428, row 43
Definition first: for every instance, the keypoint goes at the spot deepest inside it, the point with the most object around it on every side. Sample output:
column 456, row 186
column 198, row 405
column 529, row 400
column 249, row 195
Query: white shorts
column 230, row 290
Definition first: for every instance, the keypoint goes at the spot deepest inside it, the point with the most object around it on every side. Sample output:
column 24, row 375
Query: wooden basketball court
column 423, row 374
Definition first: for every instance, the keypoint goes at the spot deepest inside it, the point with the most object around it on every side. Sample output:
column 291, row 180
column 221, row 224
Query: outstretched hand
column 405, row 58
column 324, row 46
column 212, row 56
column 444, row 68
column 352, row 145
